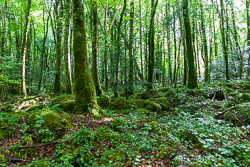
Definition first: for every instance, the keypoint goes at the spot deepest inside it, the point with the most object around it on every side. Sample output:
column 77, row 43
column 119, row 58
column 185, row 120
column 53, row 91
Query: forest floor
column 207, row 126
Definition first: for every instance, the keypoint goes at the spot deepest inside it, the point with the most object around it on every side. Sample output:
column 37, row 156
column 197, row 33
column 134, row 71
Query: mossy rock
column 162, row 101
column 35, row 107
column 147, row 94
column 66, row 102
column 29, row 98
column 148, row 105
column 103, row 101
column 120, row 103
column 23, row 153
column 244, row 97
column 241, row 111
column 49, row 123
column 218, row 93
column 165, row 89
column 112, row 97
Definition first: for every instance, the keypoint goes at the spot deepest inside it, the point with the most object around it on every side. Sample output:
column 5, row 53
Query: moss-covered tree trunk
column 248, row 31
column 118, row 51
column 131, row 57
column 204, row 43
column 106, row 50
column 85, row 93
column 45, row 34
column 224, row 47
column 66, row 53
column 192, row 76
column 3, row 45
column 151, row 58
column 58, row 86
column 23, row 51
column 95, row 73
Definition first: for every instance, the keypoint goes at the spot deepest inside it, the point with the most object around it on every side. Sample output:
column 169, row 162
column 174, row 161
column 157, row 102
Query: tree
column 131, row 57
column 94, row 50
column 224, row 47
column 23, row 51
column 66, row 49
column 85, row 93
column 58, row 87
column 151, row 58
column 192, row 76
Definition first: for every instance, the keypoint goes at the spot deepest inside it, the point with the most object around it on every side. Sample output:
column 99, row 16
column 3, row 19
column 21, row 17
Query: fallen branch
column 20, row 160
column 41, row 145
column 227, row 110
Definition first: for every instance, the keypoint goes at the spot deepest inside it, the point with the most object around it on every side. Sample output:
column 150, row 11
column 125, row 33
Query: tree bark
column 151, row 58
column 23, row 51
column 131, row 58
column 224, row 47
column 58, row 87
column 85, row 93
column 192, row 76
column 95, row 73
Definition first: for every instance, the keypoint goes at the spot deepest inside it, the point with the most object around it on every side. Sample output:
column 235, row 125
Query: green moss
column 66, row 102
column 120, row 103
column 103, row 101
column 244, row 97
column 29, row 98
column 40, row 164
column 163, row 102
column 35, row 107
column 23, row 153
column 111, row 156
column 241, row 111
column 147, row 94
column 45, row 121
column 2, row 157
column 148, row 105
column 116, row 124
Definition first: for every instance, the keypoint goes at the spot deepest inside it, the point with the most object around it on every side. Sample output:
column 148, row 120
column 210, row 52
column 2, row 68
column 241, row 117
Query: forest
column 125, row 83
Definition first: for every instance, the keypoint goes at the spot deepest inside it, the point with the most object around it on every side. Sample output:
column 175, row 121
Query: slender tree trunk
column 3, row 45
column 67, row 49
column 95, row 72
column 248, row 30
column 141, row 41
column 224, row 47
column 192, row 76
column 85, row 93
column 151, row 58
column 23, row 51
column 204, row 43
column 119, row 48
column 131, row 58
column 58, row 87
column 106, row 50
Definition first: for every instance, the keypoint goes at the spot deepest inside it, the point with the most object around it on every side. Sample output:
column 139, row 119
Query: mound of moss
column 163, row 102
column 244, row 97
column 241, row 111
column 49, row 124
column 148, row 105
column 120, row 103
column 66, row 102
column 103, row 101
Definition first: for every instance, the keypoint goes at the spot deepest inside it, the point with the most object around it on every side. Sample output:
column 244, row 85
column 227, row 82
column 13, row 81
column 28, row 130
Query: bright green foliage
column 49, row 124
column 23, row 153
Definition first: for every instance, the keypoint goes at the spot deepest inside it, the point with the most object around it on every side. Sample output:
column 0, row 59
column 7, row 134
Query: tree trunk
column 85, row 93
column 58, row 87
column 131, row 58
column 151, row 58
column 67, row 49
column 204, row 43
column 95, row 73
column 224, row 47
column 106, row 50
column 23, row 51
column 192, row 76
